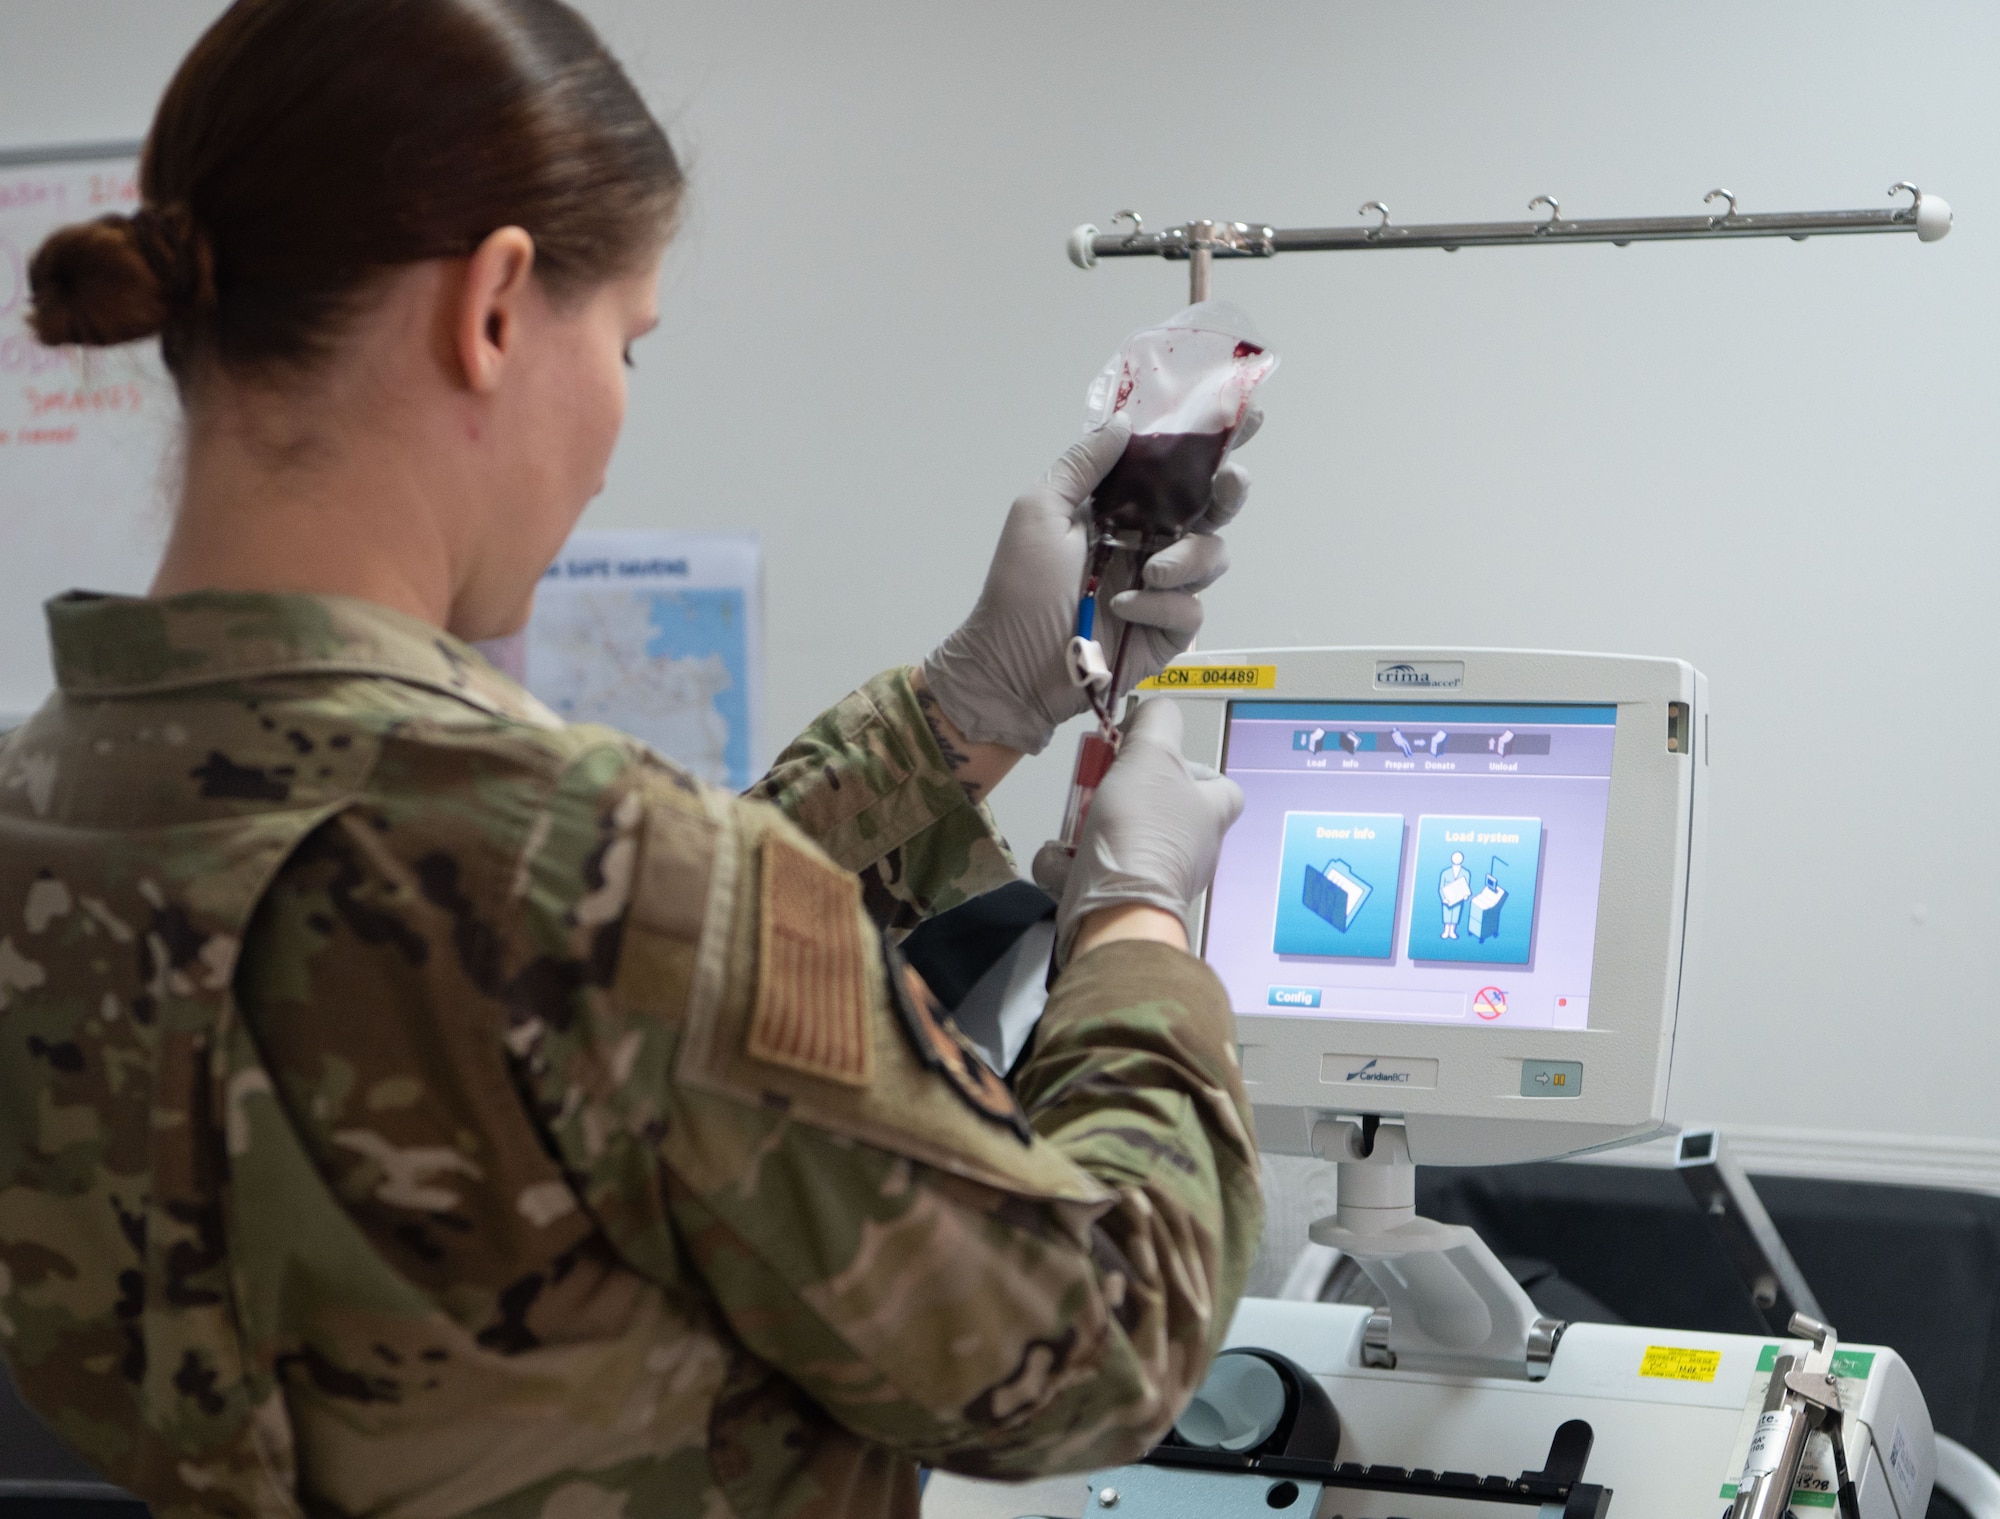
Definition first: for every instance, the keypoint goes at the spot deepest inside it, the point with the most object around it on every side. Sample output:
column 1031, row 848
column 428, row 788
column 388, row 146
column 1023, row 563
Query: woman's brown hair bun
column 120, row 278
column 92, row 285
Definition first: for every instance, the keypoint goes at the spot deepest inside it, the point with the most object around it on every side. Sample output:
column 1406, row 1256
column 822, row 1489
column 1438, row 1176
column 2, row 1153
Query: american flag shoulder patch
column 811, row 1010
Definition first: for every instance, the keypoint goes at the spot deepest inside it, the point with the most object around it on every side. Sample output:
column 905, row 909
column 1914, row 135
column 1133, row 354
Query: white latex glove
column 1154, row 830
column 1002, row 677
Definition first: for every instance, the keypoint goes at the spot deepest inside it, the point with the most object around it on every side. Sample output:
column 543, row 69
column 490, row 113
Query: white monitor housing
column 1460, row 894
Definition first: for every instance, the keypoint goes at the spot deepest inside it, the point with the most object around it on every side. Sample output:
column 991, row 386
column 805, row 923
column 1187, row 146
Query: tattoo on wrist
column 955, row 758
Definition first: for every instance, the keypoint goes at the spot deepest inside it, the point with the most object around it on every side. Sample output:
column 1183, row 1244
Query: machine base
column 1667, row 1407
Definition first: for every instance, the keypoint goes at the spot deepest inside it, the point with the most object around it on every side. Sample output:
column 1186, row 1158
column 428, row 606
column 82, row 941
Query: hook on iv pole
column 1555, row 211
column 1718, row 193
column 1082, row 251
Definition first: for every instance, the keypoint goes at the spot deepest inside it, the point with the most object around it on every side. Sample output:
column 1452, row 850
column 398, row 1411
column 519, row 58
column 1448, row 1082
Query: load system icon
column 1335, row 893
column 1463, row 913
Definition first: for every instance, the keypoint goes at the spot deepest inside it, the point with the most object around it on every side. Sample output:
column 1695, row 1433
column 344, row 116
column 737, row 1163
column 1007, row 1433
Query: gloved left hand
column 1002, row 677
column 1154, row 832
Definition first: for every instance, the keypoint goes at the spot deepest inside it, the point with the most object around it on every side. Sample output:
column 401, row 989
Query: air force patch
column 942, row 1048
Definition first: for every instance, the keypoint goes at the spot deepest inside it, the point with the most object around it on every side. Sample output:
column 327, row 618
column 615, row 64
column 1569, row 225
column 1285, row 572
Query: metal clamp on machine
column 1803, row 1400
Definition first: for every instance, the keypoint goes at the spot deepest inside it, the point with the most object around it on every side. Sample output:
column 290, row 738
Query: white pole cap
column 1085, row 257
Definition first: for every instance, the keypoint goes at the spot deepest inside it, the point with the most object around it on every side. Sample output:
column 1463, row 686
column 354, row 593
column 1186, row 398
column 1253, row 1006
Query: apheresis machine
column 1452, row 921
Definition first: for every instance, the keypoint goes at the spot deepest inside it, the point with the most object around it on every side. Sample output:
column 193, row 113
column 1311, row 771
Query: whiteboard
column 84, row 434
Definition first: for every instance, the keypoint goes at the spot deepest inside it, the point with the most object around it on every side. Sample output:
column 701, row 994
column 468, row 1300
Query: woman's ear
column 488, row 320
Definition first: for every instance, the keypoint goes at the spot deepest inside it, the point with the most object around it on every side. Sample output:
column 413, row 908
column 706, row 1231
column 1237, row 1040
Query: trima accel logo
column 1427, row 674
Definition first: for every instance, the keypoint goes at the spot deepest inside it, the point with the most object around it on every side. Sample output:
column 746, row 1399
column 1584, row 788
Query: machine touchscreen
column 1432, row 863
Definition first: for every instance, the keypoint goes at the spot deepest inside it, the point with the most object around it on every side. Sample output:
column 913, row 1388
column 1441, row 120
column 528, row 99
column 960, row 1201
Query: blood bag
column 1186, row 385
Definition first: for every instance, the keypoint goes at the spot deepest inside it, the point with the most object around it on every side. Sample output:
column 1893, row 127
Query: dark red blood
column 1093, row 761
column 1161, row 484
column 1245, row 350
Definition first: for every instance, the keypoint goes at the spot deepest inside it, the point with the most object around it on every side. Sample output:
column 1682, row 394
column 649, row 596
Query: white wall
column 1771, row 459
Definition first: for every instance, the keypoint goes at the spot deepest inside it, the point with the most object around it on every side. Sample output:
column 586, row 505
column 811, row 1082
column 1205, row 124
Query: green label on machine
column 1846, row 1363
column 1802, row 1497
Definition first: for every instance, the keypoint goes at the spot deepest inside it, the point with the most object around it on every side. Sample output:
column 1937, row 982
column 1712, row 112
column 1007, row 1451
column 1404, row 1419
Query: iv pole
column 1453, row 1307
column 1202, row 242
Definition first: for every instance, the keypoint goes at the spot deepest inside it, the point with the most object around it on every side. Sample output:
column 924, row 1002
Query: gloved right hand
column 1154, row 830
column 1003, row 676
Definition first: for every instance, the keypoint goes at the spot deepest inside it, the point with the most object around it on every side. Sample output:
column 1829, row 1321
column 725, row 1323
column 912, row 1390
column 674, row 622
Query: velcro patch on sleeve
column 940, row 1047
column 811, row 1012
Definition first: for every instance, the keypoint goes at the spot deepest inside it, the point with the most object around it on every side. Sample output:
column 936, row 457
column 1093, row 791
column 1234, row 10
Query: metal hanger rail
column 1200, row 243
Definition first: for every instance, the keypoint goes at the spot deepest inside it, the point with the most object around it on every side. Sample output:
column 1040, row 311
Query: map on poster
column 658, row 634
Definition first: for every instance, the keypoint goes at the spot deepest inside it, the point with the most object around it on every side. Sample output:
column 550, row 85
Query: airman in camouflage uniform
column 412, row 1106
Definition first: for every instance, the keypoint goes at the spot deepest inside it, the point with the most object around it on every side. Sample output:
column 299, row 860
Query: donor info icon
column 1337, row 885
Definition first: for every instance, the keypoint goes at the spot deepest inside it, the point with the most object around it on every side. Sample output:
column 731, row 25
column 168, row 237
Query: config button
column 1293, row 996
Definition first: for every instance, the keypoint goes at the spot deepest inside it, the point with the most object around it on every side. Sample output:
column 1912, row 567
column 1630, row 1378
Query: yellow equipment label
column 1675, row 1363
column 1213, row 678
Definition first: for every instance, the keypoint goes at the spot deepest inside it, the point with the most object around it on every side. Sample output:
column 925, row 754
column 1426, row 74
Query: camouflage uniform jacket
column 412, row 1106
